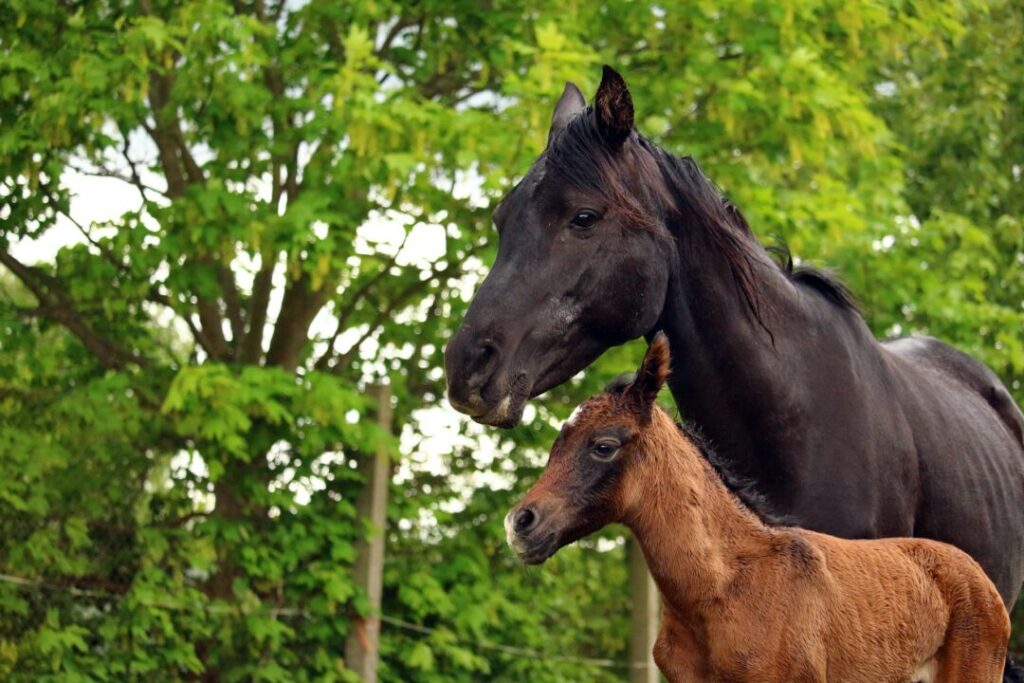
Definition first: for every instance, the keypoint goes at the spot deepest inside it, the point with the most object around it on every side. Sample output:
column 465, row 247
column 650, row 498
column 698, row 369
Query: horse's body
column 844, row 434
column 743, row 601
column 608, row 238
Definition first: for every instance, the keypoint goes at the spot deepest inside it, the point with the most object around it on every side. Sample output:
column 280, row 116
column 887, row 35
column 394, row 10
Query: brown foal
column 745, row 601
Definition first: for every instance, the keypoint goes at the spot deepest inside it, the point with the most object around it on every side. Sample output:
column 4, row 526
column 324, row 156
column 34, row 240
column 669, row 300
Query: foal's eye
column 585, row 219
column 604, row 450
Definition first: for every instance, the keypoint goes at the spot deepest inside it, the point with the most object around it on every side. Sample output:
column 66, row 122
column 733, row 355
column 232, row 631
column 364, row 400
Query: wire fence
column 274, row 612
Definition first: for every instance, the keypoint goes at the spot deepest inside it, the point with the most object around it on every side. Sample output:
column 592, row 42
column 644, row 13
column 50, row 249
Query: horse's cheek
column 632, row 306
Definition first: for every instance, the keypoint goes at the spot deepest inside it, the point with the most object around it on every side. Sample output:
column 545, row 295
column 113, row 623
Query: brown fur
column 747, row 602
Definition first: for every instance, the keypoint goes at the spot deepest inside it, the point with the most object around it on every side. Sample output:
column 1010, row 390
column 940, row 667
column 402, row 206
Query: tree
column 182, row 388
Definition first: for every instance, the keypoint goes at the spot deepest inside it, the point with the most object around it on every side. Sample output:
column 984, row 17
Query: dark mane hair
column 741, row 487
column 579, row 154
column 825, row 282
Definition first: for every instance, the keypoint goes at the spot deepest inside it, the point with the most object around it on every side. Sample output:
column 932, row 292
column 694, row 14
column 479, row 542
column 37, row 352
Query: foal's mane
column 580, row 154
column 742, row 488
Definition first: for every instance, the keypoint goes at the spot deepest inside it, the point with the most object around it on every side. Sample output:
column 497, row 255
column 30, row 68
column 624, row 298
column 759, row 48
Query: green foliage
column 183, row 385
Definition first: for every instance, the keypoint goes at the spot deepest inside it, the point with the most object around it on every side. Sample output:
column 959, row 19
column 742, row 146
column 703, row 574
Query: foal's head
column 590, row 477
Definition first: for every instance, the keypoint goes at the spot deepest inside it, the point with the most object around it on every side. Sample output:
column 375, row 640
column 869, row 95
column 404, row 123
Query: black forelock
column 579, row 153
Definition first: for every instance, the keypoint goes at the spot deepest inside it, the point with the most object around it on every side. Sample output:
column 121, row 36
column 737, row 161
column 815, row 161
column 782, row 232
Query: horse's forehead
column 534, row 178
column 523, row 193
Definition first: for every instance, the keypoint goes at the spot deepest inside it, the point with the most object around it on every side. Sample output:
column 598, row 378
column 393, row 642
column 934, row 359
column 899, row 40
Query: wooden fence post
column 643, row 617
column 361, row 646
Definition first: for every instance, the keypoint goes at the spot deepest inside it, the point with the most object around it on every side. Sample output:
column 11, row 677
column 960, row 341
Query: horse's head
column 590, row 479
column 582, row 265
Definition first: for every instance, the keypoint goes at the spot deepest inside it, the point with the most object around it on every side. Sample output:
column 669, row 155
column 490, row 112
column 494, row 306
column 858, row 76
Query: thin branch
column 103, row 172
column 136, row 179
column 353, row 299
column 403, row 22
column 107, row 255
column 387, row 311
column 157, row 297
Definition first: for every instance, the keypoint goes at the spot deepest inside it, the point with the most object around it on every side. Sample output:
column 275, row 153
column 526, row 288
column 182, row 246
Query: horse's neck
column 692, row 530
column 727, row 366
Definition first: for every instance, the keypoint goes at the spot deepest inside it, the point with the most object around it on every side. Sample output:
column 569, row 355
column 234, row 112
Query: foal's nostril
column 525, row 520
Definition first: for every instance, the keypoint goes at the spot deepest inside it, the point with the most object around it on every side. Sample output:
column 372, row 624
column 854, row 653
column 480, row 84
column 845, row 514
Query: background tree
column 182, row 386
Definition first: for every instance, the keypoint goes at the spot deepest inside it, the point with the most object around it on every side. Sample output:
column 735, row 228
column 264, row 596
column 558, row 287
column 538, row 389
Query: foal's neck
column 693, row 531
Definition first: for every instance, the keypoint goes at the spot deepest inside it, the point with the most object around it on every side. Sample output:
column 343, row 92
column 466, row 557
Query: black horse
column 609, row 238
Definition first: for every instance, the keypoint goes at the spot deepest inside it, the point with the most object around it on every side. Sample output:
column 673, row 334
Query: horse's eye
column 585, row 219
column 604, row 450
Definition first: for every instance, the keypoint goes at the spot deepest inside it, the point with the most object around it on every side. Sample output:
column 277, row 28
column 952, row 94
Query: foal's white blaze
column 925, row 673
column 572, row 416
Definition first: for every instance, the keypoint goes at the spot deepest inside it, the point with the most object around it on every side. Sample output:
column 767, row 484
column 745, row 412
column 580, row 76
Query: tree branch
column 158, row 297
column 233, row 304
column 299, row 306
column 181, row 170
column 136, row 179
column 386, row 312
column 103, row 172
column 56, row 305
column 252, row 347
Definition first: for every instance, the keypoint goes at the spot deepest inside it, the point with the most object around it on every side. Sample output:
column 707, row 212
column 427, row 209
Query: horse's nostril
column 525, row 520
column 482, row 358
column 484, row 354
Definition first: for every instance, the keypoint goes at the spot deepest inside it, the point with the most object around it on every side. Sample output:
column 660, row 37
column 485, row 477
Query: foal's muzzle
column 530, row 539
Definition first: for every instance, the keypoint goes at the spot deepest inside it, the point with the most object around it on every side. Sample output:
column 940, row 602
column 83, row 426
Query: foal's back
column 900, row 600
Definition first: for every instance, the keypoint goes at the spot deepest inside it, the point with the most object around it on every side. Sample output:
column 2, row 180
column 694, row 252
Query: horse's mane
column 823, row 281
column 580, row 154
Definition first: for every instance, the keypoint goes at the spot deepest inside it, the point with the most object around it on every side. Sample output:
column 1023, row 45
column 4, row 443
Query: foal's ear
column 614, row 107
column 652, row 373
column 569, row 104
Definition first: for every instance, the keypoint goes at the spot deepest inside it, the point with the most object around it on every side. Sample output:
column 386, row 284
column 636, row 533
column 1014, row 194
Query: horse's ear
column 569, row 104
column 614, row 107
column 652, row 373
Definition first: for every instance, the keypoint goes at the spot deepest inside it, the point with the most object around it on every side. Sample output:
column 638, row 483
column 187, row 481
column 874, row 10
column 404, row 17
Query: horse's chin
column 506, row 414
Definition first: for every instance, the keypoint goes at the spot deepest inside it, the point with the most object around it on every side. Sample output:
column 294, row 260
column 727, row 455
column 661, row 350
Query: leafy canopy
column 303, row 195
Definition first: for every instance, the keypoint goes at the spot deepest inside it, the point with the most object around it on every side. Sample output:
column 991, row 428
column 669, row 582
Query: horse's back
column 922, row 352
column 966, row 433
